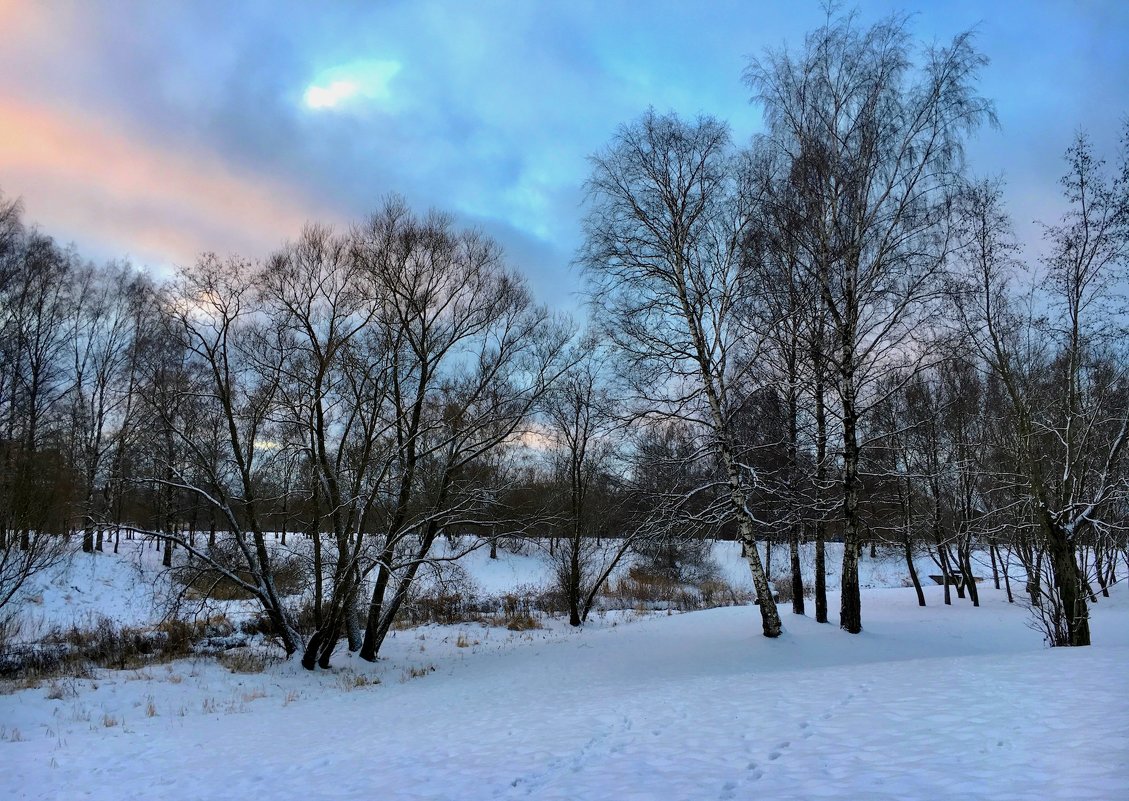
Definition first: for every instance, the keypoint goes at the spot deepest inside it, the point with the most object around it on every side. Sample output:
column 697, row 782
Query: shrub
column 644, row 589
column 444, row 596
column 681, row 560
column 72, row 651
column 243, row 660
column 720, row 593
column 204, row 581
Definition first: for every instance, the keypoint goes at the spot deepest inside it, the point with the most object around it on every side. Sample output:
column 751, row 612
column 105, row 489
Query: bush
column 522, row 621
column 519, row 610
column 643, row 589
column 716, row 593
column 204, row 581
column 445, row 596
column 679, row 560
column 72, row 651
column 782, row 588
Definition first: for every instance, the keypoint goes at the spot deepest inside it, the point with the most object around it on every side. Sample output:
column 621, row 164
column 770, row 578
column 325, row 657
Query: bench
column 955, row 579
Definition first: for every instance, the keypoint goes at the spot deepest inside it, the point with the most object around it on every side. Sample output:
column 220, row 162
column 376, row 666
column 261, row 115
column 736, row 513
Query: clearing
column 934, row 703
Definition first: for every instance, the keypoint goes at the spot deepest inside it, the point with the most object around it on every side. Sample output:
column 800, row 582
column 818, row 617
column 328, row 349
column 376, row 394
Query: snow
column 81, row 589
column 505, row 573
column 944, row 702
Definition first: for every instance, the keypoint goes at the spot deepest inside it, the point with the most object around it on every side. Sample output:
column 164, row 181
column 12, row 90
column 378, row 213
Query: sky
column 155, row 131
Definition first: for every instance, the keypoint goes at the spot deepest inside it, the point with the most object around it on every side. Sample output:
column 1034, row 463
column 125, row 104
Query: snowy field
column 934, row 703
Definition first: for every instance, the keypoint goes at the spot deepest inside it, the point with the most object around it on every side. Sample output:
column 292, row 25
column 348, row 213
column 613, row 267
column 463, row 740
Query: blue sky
column 156, row 130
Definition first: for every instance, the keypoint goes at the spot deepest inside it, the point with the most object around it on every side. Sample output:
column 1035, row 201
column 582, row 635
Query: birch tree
column 661, row 254
column 876, row 144
column 105, row 311
column 1063, row 372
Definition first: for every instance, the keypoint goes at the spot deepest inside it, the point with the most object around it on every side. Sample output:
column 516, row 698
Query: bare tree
column 333, row 408
column 662, row 246
column 874, row 143
column 1063, row 372
column 35, row 475
column 585, row 426
column 470, row 357
column 104, row 315
column 231, row 378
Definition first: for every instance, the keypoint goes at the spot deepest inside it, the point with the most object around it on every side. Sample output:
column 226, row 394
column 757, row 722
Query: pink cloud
column 85, row 178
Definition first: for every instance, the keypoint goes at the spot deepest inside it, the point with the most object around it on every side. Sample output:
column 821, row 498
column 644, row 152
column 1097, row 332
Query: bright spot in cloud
column 351, row 83
column 329, row 96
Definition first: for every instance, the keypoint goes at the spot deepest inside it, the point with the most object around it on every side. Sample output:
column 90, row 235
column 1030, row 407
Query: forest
column 828, row 334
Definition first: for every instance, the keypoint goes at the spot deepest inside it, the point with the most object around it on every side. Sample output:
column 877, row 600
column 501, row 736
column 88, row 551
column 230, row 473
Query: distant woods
column 828, row 333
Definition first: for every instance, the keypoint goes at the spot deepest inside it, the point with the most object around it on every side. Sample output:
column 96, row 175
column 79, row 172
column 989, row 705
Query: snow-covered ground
column 934, row 703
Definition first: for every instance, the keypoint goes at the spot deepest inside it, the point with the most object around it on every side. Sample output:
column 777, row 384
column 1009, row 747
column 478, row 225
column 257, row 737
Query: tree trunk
column 943, row 558
column 1103, row 572
column 374, row 638
column 352, row 625
column 319, row 578
column 850, row 607
column 821, row 573
column 770, row 617
column 1034, row 567
column 913, row 572
column 964, row 558
column 573, row 588
column 1076, row 615
column 369, row 644
column 797, row 576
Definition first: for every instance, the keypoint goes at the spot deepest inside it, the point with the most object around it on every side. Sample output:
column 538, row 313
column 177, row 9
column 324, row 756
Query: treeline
column 827, row 334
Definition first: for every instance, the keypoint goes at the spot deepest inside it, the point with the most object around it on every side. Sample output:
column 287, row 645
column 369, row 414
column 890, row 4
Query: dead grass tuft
column 243, row 660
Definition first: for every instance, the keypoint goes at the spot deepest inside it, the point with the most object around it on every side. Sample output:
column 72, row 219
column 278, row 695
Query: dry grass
column 71, row 652
column 354, row 681
column 783, row 589
column 645, row 590
column 243, row 660
column 416, row 672
column 11, row 735
column 59, row 689
column 522, row 621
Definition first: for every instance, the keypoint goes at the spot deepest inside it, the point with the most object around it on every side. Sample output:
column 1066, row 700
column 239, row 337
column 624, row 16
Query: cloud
column 360, row 80
column 179, row 126
column 106, row 184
